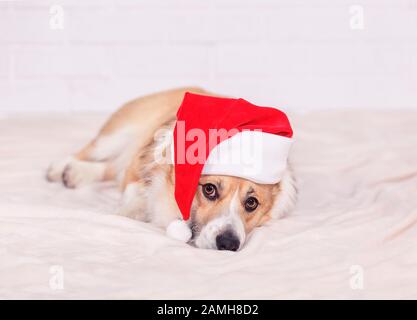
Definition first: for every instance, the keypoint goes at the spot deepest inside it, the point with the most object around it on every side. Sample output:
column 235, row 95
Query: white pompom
column 179, row 230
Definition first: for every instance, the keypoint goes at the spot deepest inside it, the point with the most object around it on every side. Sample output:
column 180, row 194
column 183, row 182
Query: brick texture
column 297, row 54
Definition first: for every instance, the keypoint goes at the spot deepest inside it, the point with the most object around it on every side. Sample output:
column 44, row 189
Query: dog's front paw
column 56, row 169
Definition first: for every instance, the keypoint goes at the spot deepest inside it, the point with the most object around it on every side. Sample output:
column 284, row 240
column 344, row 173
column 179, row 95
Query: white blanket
column 352, row 235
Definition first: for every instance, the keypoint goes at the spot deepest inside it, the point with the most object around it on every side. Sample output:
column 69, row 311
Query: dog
column 225, row 209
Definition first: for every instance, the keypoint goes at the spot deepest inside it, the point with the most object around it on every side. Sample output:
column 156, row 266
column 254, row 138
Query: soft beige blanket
column 352, row 235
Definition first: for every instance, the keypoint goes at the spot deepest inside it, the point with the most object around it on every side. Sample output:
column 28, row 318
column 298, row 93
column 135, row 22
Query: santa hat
column 224, row 136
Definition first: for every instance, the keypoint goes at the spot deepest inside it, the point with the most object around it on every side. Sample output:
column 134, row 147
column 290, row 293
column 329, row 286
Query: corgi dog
column 225, row 209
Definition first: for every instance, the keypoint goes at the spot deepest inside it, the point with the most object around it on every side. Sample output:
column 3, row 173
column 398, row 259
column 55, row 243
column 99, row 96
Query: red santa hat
column 224, row 136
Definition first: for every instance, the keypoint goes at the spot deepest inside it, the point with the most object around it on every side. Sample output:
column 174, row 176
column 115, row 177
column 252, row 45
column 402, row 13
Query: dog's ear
column 285, row 193
column 276, row 189
column 264, row 219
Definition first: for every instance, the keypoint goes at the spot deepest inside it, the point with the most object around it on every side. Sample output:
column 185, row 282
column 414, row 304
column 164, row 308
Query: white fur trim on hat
column 253, row 155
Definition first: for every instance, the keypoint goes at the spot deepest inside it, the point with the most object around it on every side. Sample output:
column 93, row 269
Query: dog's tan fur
column 208, row 210
column 124, row 149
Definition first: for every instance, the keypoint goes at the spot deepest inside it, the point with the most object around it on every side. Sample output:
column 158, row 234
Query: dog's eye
column 210, row 191
column 251, row 204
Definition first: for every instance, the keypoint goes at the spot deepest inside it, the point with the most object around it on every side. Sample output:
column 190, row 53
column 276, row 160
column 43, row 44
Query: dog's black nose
column 227, row 241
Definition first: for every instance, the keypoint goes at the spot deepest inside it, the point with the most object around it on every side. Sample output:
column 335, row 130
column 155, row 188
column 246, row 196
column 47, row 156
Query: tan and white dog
column 225, row 209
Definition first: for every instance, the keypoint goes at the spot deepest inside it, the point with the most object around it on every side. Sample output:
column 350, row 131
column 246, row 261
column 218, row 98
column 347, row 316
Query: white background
column 298, row 55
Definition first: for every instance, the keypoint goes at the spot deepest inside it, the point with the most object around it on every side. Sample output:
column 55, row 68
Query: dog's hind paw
column 78, row 173
column 56, row 169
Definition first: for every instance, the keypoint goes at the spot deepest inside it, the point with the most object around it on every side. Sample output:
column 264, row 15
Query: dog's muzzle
column 227, row 241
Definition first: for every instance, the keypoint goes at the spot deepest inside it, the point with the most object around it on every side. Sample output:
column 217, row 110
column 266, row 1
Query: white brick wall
column 296, row 54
